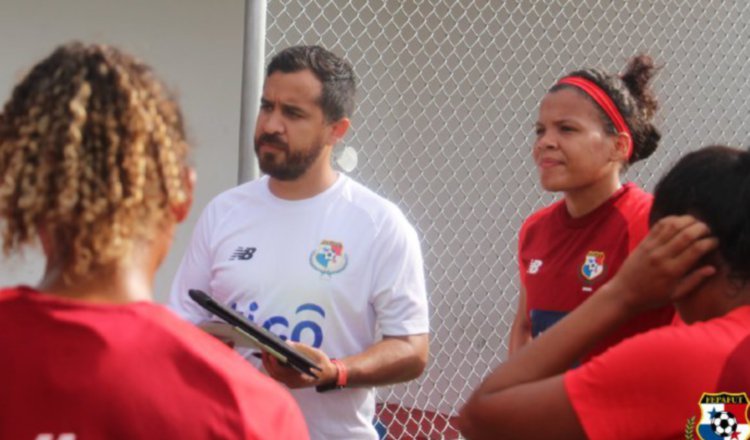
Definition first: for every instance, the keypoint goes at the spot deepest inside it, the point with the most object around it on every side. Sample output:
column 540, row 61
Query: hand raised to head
column 662, row 267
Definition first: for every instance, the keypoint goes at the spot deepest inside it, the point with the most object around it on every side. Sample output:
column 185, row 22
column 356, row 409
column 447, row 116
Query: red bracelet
column 342, row 377
column 342, row 374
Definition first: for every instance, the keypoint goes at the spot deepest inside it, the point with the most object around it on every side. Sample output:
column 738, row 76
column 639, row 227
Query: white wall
column 194, row 45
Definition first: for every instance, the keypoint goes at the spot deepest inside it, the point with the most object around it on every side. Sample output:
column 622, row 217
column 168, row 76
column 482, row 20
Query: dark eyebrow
column 293, row 108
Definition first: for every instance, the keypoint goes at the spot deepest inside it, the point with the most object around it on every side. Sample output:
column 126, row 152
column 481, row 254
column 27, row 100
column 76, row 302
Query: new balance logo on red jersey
column 243, row 253
column 65, row 436
column 534, row 266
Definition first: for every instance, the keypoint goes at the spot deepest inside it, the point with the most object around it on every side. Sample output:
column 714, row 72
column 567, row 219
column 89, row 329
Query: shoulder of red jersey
column 542, row 214
column 636, row 198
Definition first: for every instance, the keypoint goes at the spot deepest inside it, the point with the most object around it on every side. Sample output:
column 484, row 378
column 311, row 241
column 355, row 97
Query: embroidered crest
column 329, row 257
column 593, row 265
column 723, row 417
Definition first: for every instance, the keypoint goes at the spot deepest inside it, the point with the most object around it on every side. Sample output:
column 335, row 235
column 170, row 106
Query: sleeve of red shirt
column 522, row 237
column 267, row 409
column 283, row 416
column 636, row 390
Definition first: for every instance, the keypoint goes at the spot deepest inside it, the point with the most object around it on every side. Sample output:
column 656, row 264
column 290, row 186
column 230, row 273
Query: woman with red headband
column 591, row 127
column 675, row 382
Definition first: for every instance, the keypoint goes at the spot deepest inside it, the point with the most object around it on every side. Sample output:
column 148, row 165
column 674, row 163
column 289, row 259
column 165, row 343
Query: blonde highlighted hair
column 92, row 150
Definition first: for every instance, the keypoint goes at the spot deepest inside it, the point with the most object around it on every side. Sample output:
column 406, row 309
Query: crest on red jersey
column 593, row 265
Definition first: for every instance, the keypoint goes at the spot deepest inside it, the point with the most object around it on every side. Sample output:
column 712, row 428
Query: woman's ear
column 45, row 240
column 623, row 141
column 182, row 210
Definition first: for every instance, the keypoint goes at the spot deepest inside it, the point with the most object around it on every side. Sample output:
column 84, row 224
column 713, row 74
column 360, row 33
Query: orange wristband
column 343, row 373
column 342, row 377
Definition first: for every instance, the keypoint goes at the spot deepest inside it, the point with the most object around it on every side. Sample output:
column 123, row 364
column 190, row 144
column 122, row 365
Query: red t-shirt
column 667, row 382
column 133, row 371
column 563, row 260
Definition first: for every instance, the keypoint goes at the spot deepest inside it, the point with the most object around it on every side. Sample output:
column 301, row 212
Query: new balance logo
column 243, row 253
column 534, row 266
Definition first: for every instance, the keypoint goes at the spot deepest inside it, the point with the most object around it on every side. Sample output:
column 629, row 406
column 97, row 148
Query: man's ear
column 182, row 210
column 338, row 130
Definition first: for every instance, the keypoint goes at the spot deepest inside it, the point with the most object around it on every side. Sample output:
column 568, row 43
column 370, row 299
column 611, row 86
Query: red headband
column 605, row 102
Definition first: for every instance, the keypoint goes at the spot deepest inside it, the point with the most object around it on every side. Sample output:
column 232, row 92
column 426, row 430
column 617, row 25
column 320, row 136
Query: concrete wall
column 195, row 46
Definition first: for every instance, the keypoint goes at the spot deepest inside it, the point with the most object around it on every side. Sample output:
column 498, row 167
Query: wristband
column 342, row 375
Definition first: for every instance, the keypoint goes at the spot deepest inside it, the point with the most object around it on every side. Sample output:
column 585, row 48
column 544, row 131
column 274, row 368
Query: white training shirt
column 334, row 271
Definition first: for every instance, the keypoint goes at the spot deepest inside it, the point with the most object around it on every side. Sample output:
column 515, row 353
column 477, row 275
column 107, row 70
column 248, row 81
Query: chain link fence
column 447, row 99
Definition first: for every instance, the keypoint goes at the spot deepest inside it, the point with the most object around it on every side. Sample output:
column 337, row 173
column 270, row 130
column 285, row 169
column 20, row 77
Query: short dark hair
column 335, row 74
column 712, row 184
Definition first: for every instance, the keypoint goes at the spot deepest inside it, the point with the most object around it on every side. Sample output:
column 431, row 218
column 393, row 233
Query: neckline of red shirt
column 579, row 222
column 33, row 294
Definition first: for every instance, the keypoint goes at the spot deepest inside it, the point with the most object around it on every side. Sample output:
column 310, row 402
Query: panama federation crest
column 329, row 257
column 593, row 265
column 723, row 417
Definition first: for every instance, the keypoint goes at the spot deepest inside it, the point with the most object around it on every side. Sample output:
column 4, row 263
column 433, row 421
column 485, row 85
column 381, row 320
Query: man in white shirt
column 314, row 256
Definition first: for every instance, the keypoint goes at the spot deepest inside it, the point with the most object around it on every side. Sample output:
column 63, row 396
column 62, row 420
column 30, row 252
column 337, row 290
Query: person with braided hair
column 674, row 382
column 94, row 165
column 591, row 126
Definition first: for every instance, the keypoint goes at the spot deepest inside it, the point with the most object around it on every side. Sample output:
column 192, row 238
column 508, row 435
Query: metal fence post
column 253, row 60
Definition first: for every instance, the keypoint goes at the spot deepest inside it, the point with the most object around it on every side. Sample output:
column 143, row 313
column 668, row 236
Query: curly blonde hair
column 93, row 150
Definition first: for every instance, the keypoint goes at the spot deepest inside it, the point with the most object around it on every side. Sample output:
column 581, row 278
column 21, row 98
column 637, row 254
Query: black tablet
column 263, row 339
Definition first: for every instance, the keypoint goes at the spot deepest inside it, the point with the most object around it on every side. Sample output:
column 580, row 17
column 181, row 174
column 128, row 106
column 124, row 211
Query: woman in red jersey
column 674, row 382
column 93, row 164
column 591, row 126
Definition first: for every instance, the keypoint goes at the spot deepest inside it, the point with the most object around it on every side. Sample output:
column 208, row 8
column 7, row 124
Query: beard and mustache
column 292, row 165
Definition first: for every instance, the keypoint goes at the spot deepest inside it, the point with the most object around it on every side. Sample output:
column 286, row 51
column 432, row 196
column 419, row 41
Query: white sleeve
column 399, row 292
column 194, row 271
